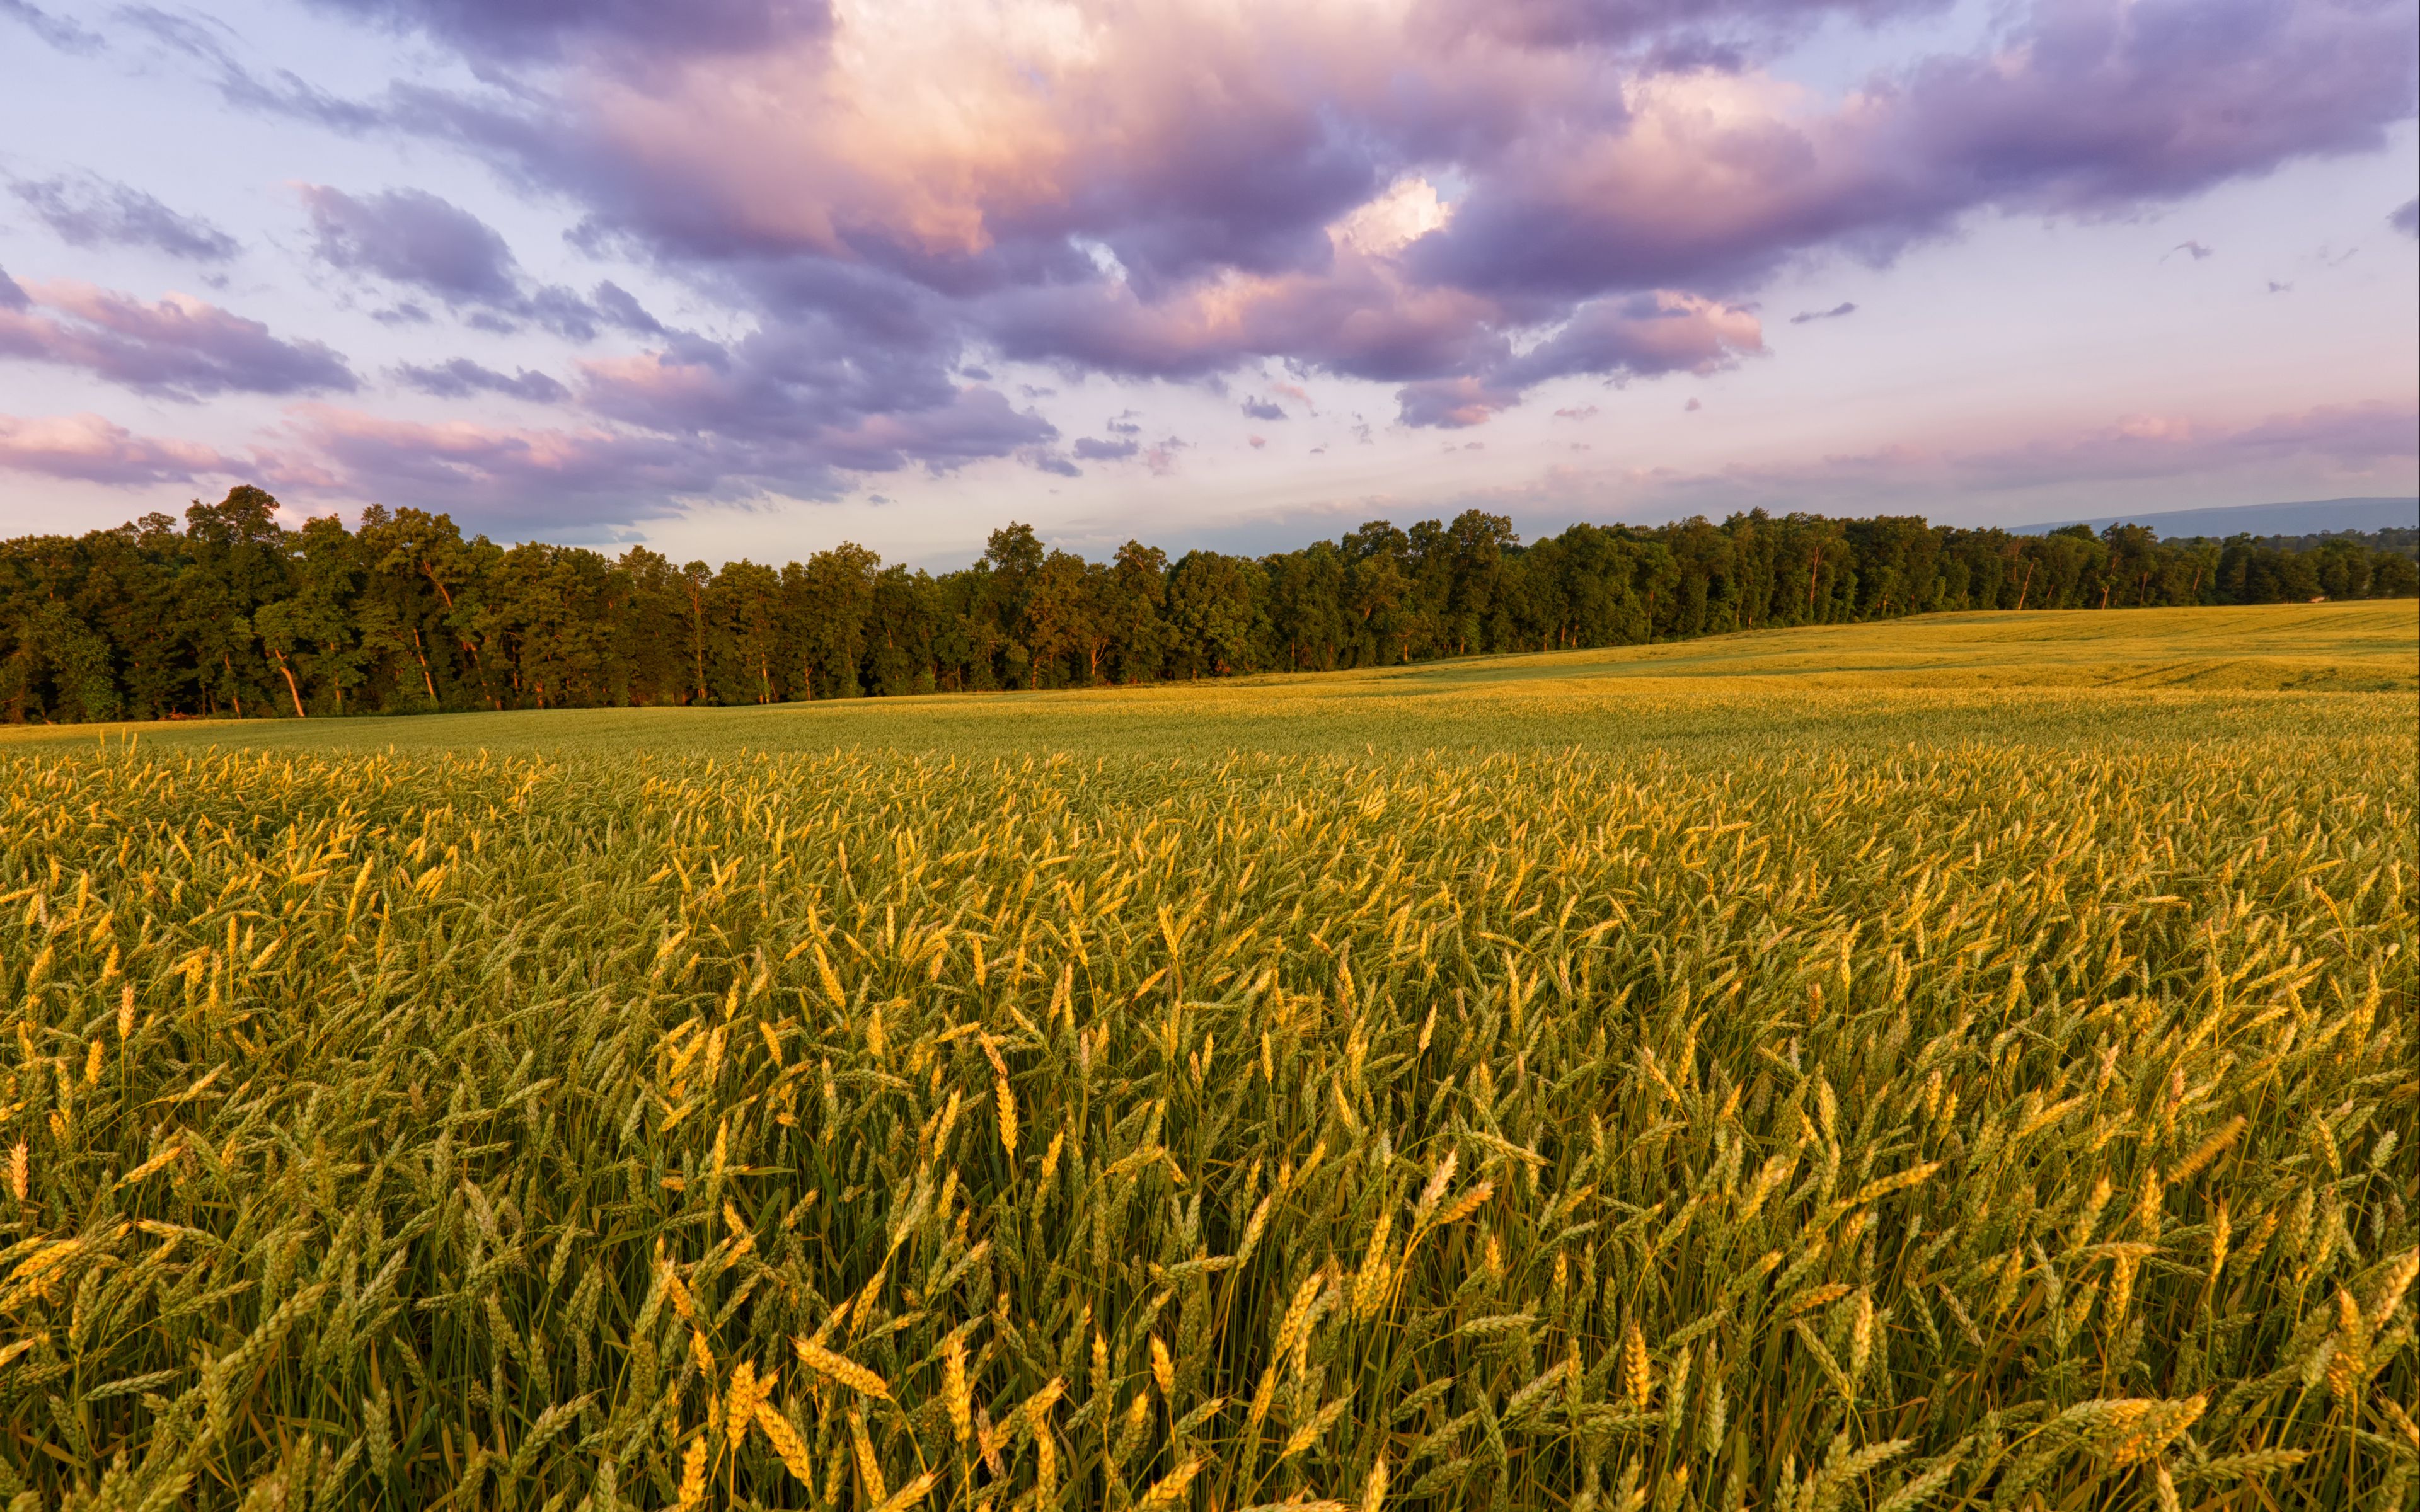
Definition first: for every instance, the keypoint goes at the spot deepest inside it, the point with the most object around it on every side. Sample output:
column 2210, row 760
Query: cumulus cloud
column 462, row 377
column 89, row 449
column 2406, row 218
column 178, row 348
column 1458, row 199
column 1093, row 449
column 87, row 211
column 1180, row 193
column 1263, row 410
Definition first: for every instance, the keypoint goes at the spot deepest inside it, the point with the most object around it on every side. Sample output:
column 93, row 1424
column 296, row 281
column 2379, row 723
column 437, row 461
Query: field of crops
column 1593, row 1082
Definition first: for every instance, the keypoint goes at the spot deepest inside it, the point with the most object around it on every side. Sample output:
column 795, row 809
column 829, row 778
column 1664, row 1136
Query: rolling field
column 1954, row 1064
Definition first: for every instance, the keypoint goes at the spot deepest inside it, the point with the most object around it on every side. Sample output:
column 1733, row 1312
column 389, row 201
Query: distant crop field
column 1955, row 1063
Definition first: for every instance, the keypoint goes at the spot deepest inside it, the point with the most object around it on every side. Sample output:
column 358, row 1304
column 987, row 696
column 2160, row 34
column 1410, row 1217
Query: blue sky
column 1232, row 273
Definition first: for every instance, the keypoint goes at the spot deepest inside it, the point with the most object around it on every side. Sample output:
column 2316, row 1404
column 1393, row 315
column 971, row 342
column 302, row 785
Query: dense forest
column 235, row 615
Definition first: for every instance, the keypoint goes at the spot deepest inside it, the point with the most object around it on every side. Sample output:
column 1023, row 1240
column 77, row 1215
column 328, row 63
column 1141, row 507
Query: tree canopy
column 235, row 615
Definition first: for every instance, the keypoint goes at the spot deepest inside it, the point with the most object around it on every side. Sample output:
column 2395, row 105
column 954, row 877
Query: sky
column 746, row 278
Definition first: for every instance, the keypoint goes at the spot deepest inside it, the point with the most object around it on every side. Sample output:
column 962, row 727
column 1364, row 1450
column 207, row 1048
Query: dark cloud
column 1263, row 410
column 1046, row 459
column 1702, row 30
column 461, row 378
column 87, row 211
column 2406, row 218
column 2191, row 249
column 502, row 30
column 1092, row 449
column 412, row 237
column 179, row 348
column 12, row 294
column 1846, row 307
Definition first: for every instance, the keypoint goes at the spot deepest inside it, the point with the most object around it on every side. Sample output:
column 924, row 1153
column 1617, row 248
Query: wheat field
column 1555, row 1083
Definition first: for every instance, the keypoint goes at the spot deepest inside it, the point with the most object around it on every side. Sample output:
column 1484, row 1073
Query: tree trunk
column 425, row 681
column 234, row 692
column 291, row 689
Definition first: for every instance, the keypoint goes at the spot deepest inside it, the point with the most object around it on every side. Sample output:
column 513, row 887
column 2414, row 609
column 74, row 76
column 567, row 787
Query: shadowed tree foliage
column 234, row 615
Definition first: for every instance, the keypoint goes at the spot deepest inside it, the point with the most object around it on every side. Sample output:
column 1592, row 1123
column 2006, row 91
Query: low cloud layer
column 85, row 448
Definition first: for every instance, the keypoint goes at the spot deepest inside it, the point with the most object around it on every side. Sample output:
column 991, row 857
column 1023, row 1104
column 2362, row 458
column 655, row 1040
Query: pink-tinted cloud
column 178, row 348
column 2352, row 439
column 544, row 476
column 1181, row 190
column 1460, row 199
column 89, row 449
column 1641, row 336
column 2363, row 447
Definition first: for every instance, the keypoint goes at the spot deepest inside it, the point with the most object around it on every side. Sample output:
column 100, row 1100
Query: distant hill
column 2308, row 518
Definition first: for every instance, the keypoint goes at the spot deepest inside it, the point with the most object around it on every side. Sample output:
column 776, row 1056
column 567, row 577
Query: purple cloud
column 1846, row 307
column 518, row 29
column 89, row 449
column 1644, row 335
column 1092, row 449
column 462, row 377
column 413, row 237
column 1678, row 28
column 617, row 306
column 410, row 236
column 2083, row 109
column 64, row 35
column 2406, row 218
column 1491, row 195
column 179, row 348
column 87, row 211
column 588, row 473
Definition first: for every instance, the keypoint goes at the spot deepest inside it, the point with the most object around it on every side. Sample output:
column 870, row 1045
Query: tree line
column 234, row 615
